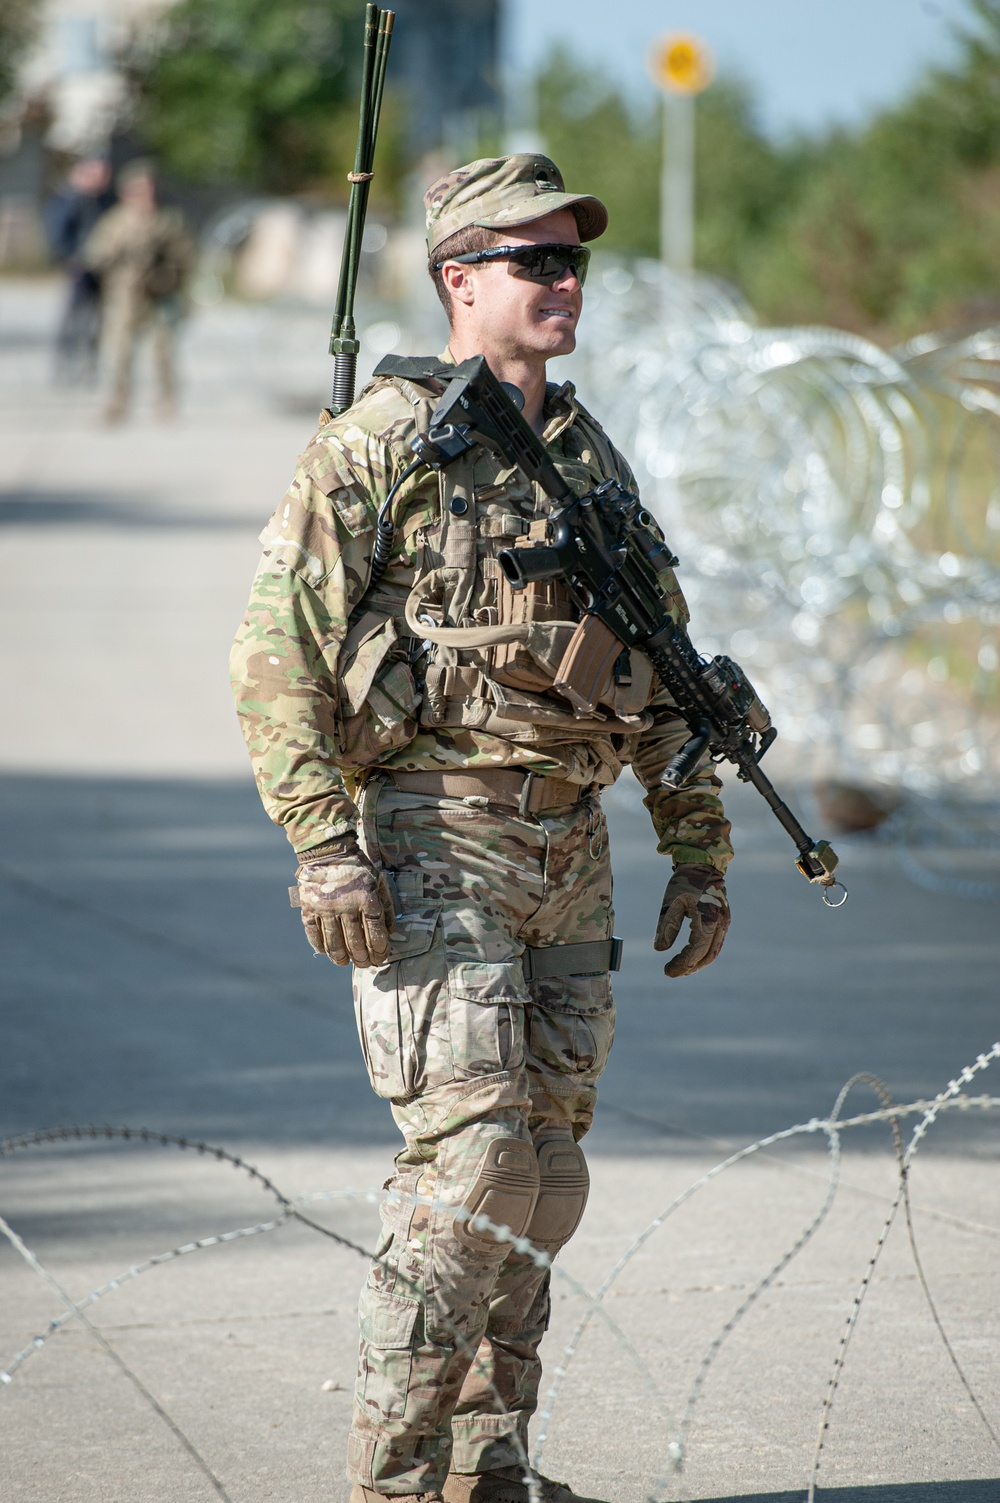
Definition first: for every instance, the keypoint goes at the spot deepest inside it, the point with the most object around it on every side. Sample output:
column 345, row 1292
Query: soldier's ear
column 459, row 283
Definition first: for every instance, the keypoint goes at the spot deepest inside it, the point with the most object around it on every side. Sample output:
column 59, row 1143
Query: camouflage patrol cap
column 499, row 193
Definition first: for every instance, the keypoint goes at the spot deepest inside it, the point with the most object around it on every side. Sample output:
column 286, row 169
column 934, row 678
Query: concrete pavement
column 154, row 976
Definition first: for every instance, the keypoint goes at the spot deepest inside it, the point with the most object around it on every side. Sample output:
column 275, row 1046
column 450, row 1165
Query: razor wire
column 836, row 509
column 97, row 1335
column 478, row 1222
column 951, row 1092
column 952, row 1097
column 831, row 1127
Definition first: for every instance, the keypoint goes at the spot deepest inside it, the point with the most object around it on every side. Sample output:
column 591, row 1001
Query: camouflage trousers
column 126, row 320
column 468, row 1051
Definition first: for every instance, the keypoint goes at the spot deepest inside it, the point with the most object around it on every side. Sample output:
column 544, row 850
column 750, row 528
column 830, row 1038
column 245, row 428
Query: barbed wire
column 158, row 1408
column 676, row 1437
column 836, row 511
column 952, row 1092
column 478, row 1222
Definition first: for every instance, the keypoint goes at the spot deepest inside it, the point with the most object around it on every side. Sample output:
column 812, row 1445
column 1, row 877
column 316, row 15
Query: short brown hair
column 473, row 238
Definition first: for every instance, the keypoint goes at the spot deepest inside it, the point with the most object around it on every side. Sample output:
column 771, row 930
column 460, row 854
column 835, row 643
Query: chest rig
column 489, row 653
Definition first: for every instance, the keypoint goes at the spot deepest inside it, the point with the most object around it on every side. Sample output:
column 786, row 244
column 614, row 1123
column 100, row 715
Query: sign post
column 682, row 67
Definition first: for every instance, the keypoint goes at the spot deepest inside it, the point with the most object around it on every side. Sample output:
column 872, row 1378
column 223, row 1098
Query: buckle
column 524, row 802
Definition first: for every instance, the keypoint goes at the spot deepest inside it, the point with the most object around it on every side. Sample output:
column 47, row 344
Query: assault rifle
column 612, row 556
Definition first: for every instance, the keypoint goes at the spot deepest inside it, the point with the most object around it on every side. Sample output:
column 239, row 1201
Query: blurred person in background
column 70, row 216
column 143, row 254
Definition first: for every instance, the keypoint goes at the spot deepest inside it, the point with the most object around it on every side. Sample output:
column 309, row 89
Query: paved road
column 154, row 977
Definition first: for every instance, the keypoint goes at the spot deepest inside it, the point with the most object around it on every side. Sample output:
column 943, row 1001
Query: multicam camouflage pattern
column 347, row 908
column 468, row 1051
column 697, row 893
column 317, row 701
column 328, row 686
column 502, row 192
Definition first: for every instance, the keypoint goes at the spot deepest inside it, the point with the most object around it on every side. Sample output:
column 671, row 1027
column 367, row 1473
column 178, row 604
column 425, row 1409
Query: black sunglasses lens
column 548, row 263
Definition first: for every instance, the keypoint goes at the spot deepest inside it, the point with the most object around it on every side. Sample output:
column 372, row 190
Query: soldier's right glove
column 347, row 908
column 697, row 893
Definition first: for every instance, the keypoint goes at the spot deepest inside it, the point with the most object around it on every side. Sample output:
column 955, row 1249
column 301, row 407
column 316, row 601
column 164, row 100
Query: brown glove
column 697, row 893
column 347, row 908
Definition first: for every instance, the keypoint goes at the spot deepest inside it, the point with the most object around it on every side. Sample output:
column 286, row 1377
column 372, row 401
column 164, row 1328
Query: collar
column 559, row 409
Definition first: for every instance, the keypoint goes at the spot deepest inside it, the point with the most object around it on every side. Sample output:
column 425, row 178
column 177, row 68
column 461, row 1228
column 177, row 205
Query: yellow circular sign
column 682, row 64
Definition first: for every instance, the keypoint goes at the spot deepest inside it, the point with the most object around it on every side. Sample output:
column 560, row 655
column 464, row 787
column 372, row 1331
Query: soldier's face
column 520, row 317
column 139, row 193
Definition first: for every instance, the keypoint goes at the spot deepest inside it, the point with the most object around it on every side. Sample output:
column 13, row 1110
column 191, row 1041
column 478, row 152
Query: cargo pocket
column 486, row 1017
column 388, row 1322
column 401, row 1007
column 571, row 1026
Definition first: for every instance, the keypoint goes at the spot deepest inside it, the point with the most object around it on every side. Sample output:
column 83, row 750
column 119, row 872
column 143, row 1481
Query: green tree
column 886, row 230
column 896, row 227
column 250, row 92
column 612, row 147
column 743, row 182
column 602, row 146
column 19, row 22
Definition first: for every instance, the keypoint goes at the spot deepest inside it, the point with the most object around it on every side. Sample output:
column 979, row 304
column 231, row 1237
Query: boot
column 361, row 1494
column 505, row 1485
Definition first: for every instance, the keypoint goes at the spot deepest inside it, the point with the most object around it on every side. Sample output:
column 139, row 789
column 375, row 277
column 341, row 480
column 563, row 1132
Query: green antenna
column 344, row 344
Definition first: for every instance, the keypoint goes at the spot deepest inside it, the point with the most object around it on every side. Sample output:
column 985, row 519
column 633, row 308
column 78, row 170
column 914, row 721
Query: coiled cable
column 385, row 529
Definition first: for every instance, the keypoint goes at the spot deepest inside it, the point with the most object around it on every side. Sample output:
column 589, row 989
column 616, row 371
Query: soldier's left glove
column 347, row 908
column 697, row 893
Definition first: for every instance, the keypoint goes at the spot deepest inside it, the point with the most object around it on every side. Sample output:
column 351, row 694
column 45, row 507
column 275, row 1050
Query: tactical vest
column 465, row 650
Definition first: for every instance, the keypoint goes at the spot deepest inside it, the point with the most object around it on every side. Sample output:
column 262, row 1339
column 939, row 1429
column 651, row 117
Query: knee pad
column 504, row 1189
column 563, row 1187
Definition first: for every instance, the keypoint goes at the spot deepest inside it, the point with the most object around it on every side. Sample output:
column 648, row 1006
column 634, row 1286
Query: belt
column 528, row 792
column 592, row 958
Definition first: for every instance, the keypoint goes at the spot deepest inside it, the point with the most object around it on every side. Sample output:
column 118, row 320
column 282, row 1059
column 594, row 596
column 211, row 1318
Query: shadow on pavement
column 901, row 1492
column 158, row 977
column 28, row 508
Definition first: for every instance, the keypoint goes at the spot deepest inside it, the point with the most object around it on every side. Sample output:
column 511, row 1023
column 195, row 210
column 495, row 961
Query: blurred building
column 446, row 62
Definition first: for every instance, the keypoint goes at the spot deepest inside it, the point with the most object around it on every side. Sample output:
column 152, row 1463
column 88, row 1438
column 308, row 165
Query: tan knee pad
column 504, row 1189
column 563, row 1187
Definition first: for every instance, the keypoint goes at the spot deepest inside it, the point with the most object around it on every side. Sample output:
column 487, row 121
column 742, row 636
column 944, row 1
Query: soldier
column 444, row 805
column 143, row 254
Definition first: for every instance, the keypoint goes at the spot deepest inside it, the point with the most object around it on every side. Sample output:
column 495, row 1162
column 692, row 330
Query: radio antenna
column 344, row 343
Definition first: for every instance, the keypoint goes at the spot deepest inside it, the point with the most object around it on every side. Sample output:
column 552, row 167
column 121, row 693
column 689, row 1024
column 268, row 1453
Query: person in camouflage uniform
column 143, row 254
column 444, row 804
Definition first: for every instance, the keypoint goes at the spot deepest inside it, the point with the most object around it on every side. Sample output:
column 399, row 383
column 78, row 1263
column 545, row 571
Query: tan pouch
column 585, row 676
column 531, row 664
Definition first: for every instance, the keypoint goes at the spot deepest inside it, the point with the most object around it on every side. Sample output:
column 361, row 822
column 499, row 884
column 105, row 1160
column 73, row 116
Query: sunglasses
column 546, row 264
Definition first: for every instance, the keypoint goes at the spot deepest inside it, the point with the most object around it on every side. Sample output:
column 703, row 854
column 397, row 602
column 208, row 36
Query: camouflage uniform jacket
column 140, row 257
column 329, row 681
